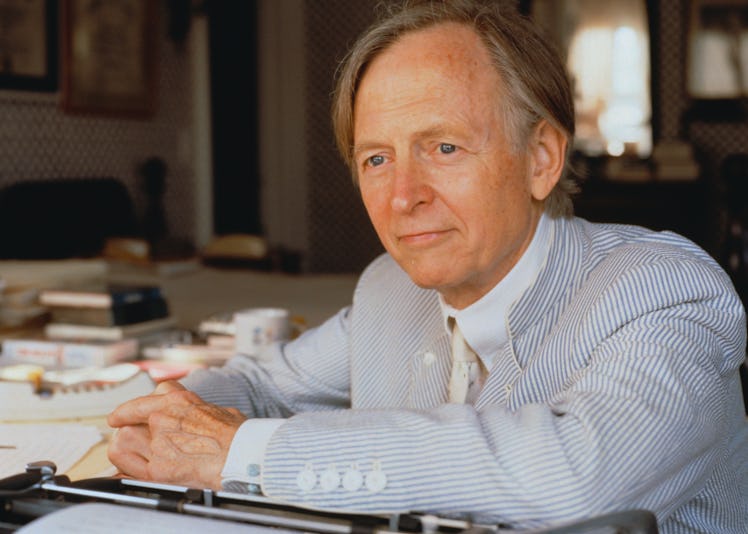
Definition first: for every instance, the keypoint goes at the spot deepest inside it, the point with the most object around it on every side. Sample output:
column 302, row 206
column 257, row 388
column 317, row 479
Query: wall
column 38, row 140
column 309, row 203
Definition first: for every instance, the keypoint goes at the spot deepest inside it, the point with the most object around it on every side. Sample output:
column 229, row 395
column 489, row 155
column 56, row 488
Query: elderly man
column 592, row 367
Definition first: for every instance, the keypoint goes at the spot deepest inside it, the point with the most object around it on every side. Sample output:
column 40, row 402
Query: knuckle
column 183, row 397
column 124, row 434
column 154, row 419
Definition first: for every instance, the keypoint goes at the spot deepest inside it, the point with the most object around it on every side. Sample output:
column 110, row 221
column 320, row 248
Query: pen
column 7, row 446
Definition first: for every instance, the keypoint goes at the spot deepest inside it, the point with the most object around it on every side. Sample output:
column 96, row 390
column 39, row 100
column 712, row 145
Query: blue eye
column 446, row 148
column 375, row 161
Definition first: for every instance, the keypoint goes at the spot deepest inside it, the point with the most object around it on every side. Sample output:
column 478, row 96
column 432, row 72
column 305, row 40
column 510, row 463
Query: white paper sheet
column 64, row 444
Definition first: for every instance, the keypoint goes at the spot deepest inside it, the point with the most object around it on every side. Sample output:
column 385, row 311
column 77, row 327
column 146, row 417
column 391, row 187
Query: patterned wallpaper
column 341, row 236
column 40, row 141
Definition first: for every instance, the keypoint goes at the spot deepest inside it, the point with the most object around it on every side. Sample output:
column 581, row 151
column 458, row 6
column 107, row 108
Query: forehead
column 447, row 60
column 447, row 46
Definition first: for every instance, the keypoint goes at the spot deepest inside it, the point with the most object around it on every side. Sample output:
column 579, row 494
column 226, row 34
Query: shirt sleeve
column 242, row 471
column 636, row 364
column 310, row 373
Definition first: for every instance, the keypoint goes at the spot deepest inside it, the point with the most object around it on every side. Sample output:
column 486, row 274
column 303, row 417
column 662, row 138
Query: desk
column 195, row 295
column 95, row 463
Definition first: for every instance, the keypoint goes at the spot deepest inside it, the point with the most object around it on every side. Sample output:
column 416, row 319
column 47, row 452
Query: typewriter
column 40, row 501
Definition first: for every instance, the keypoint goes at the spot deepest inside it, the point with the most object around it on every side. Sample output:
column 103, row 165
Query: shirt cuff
column 242, row 471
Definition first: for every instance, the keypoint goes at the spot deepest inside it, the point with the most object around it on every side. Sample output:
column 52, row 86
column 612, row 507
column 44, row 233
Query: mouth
column 424, row 238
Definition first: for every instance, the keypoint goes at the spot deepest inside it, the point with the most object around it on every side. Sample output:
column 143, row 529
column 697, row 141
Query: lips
column 421, row 236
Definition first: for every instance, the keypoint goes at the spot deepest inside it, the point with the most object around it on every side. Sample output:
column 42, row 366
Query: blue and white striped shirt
column 618, row 389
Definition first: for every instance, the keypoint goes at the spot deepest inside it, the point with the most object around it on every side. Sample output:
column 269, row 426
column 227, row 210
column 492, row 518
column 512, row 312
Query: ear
column 547, row 150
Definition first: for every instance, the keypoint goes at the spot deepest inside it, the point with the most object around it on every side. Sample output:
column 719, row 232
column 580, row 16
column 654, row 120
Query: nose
column 410, row 186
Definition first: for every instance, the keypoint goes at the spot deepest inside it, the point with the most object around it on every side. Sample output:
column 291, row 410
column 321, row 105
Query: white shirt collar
column 484, row 323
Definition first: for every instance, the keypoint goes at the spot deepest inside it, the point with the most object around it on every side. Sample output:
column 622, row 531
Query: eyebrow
column 363, row 147
column 437, row 130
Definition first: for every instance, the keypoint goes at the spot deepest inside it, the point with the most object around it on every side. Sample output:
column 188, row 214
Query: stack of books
column 93, row 326
column 109, row 313
column 42, row 354
column 21, row 281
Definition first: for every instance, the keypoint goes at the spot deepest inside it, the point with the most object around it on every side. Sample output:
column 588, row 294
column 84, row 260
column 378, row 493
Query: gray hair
column 535, row 82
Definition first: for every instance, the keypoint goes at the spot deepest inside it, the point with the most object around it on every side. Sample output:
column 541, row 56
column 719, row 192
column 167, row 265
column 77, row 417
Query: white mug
column 256, row 328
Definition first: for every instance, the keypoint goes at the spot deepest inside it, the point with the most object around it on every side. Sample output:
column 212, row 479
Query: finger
column 137, row 411
column 130, row 440
column 168, row 386
column 165, row 422
column 127, row 452
column 131, row 465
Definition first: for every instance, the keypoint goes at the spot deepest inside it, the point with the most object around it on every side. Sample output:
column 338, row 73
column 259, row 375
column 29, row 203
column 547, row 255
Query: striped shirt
column 617, row 389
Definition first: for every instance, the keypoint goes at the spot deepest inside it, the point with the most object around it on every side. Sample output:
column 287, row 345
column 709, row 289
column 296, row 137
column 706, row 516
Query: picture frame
column 717, row 68
column 28, row 45
column 109, row 56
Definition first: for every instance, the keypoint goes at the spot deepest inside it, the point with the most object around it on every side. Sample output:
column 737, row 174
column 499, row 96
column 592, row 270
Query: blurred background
column 213, row 116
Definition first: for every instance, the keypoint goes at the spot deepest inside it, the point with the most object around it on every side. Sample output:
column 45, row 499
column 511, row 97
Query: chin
column 428, row 280
column 429, row 271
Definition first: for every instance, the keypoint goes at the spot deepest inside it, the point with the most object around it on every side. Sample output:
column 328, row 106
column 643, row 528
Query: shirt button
column 508, row 389
column 428, row 359
column 353, row 479
column 306, row 479
column 376, row 481
column 329, row 479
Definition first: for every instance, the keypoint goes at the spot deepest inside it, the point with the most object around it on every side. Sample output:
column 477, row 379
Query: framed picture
column 718, row 49
column 28, row 45
column 109, row 57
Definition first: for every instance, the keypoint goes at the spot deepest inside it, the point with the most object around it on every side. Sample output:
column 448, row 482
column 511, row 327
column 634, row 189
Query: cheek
column 375, row 202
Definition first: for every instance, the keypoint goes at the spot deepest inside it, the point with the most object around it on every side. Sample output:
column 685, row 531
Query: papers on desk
column 62, row 443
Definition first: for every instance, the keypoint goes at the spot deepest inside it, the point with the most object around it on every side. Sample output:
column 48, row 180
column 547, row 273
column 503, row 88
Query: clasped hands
column 173, row 436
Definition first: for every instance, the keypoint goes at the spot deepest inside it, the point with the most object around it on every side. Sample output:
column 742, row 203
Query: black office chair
column 63, row 218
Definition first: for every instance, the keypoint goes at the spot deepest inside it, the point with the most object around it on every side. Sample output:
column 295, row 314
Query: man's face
column 448, row 195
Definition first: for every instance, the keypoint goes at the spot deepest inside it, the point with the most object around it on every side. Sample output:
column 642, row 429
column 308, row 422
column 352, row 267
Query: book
column 16, row 317
column 109, row 333
column 99, row 297
column 115, row 315
column 221, row 323
column 23, row 280
column 67, row 354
